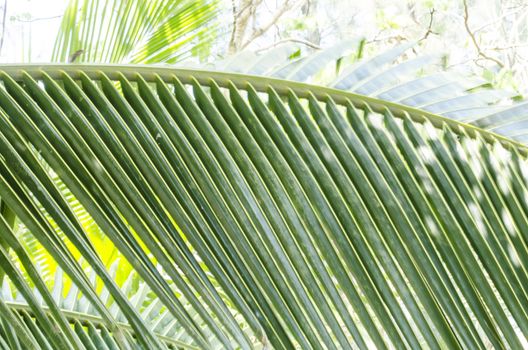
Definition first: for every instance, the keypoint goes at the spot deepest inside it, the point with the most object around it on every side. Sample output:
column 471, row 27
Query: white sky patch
column 494, row 160
column 421, row 172
column 514, row 256
column 477, row 217
column 427, row 154
column 504, row 180
column 477, row 192
column 524, row 170
column 428, row 186
column 472, row 145
column 431, row 225
column 377, row 121
column 426, row 181
column 431, row 131
column 502, row 154
column 461, row 152
column 508, row 222
column 472, row 156
column 477, row 168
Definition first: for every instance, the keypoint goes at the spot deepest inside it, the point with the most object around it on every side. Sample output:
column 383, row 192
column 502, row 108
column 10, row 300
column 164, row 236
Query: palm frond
column 134, row 31
column 256, row 213
column 396, row 75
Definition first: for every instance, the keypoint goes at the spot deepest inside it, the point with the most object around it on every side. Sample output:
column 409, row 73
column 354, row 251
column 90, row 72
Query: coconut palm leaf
column 398, row 76
column 304, row 68
column 355, row 74
column 140, row 31
column 255, row 213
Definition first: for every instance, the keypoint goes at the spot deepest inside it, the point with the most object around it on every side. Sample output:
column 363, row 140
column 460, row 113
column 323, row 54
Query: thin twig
column 474, row 40
column 429, row 27
column 502, row 48
column 294, row 40
column 37, row 19
column 396, row 37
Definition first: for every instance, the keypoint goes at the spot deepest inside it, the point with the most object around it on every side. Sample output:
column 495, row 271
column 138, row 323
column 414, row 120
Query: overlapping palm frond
column 143, row 31
column 396, row 76
column 86, row 322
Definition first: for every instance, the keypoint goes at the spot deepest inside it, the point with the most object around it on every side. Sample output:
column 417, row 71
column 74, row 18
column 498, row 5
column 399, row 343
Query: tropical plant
column 255, row 212
column 142, row 31
column 395, row 75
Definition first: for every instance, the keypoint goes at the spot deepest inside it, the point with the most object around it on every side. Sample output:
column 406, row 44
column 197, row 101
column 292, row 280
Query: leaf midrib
column 261, row 84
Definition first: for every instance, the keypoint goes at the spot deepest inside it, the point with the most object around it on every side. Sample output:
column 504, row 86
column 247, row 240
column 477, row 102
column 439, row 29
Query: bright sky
column 30, row 24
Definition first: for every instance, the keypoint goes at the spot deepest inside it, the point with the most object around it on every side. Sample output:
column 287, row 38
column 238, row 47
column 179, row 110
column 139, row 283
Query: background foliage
column 490, row 41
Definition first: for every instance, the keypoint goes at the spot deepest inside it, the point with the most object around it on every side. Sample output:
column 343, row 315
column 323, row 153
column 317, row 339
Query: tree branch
column 474, row 40
column 286, row 6
column 235, row 15
column 429, row 27
column 37, row 19
column 294, row 40
column 240, row 22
